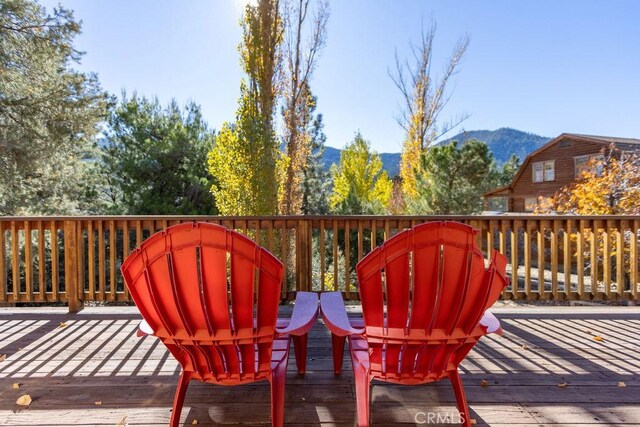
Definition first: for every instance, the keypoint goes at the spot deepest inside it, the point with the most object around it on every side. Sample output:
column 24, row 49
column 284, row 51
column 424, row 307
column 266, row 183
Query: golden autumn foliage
column 360, row 185
column 608, row 186
column 245, row 161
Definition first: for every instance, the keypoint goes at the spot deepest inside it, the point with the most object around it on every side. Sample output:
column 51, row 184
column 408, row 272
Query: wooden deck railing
column 77, row 259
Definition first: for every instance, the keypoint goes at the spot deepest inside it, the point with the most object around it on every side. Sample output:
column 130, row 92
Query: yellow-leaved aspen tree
column 423, row 98
column 245, row 160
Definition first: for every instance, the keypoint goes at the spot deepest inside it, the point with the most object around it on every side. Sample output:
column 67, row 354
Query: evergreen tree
column 452, row 179
column 49, row 113
column 316, row 182
column 509, row 171
column 154, row 159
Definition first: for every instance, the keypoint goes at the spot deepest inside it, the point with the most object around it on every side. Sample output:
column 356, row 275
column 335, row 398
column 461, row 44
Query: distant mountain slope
column 502, row 142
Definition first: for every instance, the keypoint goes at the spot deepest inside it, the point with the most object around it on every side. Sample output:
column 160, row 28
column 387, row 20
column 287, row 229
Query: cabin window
column 544, row 171
column 581, row 163
column 530, row 204
column 549, row 171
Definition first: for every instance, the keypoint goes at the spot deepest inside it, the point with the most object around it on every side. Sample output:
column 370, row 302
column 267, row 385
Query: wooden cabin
column 553, row 166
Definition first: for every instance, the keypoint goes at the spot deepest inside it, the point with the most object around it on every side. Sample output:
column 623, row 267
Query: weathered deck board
column 97, row 357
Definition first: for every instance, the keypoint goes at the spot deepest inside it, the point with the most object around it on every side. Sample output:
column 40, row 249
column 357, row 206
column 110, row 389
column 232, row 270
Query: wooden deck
column 94, row 371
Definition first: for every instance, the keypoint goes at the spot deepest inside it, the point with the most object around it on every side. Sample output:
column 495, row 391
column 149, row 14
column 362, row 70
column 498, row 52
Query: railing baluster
column 347, row 253
column 42, row 280
column 594, row 242
column 373, row 234
column 580, row 258
column 503, row 247
column 101, row 262
column 554, row 258
column 542, row 280
column 527, row 258
column 81, row 262
column 335, row 254
column 125, row 251
column 606, row 259
column 360, row 239
column 633, row 256
column 620, row 258
column 55, row 282
column 28, row 261
column 3, row 264
column 91, row 255
column 270, row 236
column 15, row 260
column 284, row 245
column 322, row 260
column 386, row 230
column 514, row 259
column 566, row 240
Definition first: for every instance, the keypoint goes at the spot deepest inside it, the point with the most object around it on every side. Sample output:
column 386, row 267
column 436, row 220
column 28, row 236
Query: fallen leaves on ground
column 524, row 347
column 484, row 383
column 98, row 402
column 24, row 400
column 194, row 422
column 598, row 338
column 63, row 324
column 123, row 422
column 473, row 421
column 562, row 385
column 16, row 386
column 621, row 384
column 3, row 357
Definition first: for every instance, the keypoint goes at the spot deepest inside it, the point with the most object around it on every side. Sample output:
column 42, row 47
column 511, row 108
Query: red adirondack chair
column 424, row 296
column 211, row 296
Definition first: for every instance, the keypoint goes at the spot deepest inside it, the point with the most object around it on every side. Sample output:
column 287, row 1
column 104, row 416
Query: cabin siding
column 562, row 153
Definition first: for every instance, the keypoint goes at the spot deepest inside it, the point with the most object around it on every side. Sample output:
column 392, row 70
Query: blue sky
column 545, row 67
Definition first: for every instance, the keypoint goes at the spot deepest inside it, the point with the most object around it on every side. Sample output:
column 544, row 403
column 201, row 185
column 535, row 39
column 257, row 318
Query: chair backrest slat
column 213, row 265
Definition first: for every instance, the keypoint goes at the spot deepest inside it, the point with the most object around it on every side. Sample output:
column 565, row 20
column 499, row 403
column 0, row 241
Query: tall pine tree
column 316, row 182
column 49, row 113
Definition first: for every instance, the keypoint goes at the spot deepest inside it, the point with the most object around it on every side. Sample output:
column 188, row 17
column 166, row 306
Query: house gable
column 562, row 151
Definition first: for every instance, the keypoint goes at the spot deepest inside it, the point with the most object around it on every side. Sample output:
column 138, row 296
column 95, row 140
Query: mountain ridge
column 502, row 142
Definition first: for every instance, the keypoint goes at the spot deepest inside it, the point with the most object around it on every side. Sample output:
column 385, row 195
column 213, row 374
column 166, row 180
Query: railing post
column 71, row 263
column 303, row 255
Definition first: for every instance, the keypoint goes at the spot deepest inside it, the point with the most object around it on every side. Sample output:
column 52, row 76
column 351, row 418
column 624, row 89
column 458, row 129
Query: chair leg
column 300, row 349
column 461, row 400
column 278, row 376
column 362, row 395
column 337, row 345
column 178, row 400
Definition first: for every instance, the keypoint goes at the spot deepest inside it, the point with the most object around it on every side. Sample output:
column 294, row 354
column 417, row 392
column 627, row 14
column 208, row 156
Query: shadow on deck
column 93, row 370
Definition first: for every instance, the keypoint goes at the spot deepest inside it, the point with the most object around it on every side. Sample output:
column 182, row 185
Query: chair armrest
column 305, row 314
column 334, row 315
column 144, row 329
column 491, row 322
